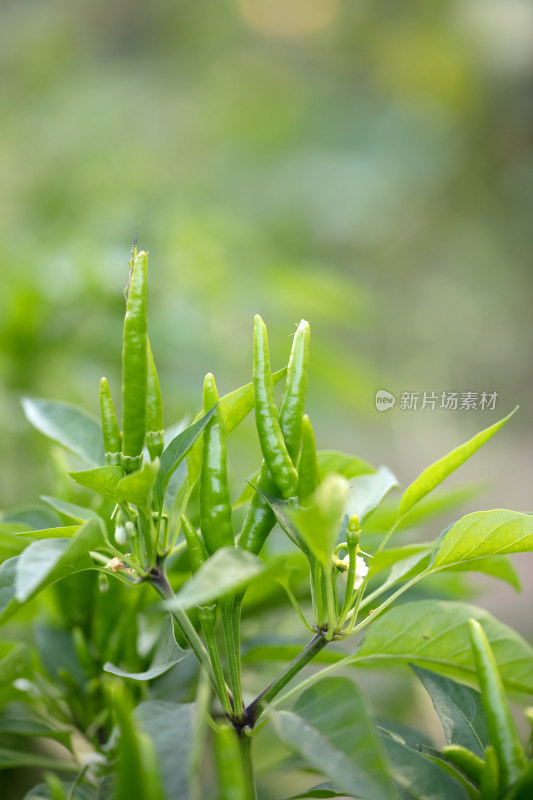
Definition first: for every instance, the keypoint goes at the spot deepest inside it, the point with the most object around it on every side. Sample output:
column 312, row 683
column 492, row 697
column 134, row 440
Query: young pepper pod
column 490, row 783
column 110, row 427
column 154, row 410
column 195, row 546
column 271, row 438
column 215, row 506
column 260, row 519
column 502, row 731
column 135, row 365
column 308, row 472
column 292, row 404
column 468, row 762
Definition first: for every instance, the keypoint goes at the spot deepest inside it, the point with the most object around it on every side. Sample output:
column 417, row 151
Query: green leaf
column 499, row 567
column 50, row 533
column 176, row 452
column 14, row 665
column 136, row 488
column 68, row 425
column 459, row 708
column 166, row 655
column 171, row 728
column 34, row 516
column 396, row 555
column 47, row 560
column 72, row 510
column 342, row 464
column 324, row 790
column 401, row 570
column 332, row 728
column 8, row 604
column 236, row 405
column 437, row 472
column 406, row 562
column 434, row 633
column 367, row 491
column 11, row 544
column 11, row 759
column 70, row 791
column 227, row 570
column 421, row 777
column 283, row 513
column 319, row 524
column 18, row 719
column 485, row 533
column 106, row 790
column 102, row 480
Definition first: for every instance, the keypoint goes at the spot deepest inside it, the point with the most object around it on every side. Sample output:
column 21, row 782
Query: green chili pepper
column 271, row 438
column 502, row 731
column 195, row 546
column 490, row 777
column 135, row 366
column 308, row 472
column 292, row 404
column 215, row 506
column 110, row 428
column 468, row 762
column 154, row 410
column 260, row 518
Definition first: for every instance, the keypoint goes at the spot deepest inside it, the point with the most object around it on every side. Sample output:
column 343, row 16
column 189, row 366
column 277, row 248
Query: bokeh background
column 365, row 165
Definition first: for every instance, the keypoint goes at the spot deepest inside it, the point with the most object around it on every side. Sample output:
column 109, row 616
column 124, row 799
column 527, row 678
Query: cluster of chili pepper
column 289, row 470
column 280, row 435
column 142, row 414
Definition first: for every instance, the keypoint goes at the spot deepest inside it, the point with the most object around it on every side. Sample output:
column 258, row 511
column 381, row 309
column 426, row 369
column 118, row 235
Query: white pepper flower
column 361, row 569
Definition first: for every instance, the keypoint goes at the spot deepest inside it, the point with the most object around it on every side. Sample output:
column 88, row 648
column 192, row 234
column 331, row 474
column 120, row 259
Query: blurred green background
column 365, row 165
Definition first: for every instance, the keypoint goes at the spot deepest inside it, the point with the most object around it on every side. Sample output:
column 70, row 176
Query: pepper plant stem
column 208, row 623
column 245, row 750
column 317, row 643
column 164, row 589
column 331, row 605
column 230, row 609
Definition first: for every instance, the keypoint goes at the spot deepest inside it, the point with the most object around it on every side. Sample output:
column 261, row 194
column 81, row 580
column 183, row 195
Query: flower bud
column 121, row 535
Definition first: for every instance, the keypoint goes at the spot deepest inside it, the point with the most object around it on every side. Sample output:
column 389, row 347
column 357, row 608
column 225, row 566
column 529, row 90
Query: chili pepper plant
column 178, row 624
